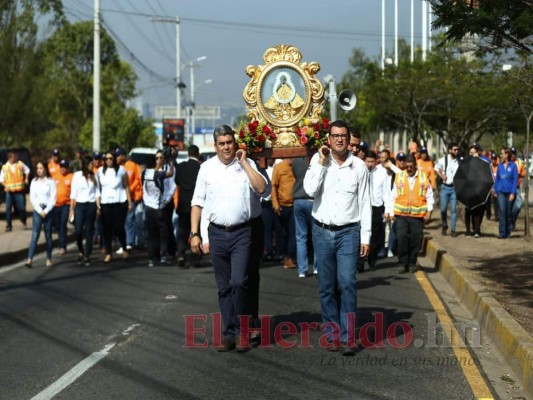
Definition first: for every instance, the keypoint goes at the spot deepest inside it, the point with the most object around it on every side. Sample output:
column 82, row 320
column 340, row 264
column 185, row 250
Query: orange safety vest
column 411, row 203
column 13, row 182
column 521, row 171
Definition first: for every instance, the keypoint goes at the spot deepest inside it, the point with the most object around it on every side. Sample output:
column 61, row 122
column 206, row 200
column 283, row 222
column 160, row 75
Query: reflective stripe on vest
column 13, row 182
column 411, row 203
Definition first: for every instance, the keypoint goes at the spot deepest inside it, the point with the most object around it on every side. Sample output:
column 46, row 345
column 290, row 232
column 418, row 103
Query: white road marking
column 130, row 329
column 73, row 374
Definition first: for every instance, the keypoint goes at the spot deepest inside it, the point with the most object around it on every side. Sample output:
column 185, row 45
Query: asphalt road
column 119, row 332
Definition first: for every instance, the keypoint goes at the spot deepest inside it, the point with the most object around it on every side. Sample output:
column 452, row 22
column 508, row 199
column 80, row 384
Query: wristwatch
column 193, row 234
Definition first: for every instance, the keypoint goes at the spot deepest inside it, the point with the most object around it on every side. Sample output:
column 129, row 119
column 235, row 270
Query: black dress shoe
column 255, row 339
column 443, row 232
column 227, row 345
column 348, row 351
column 402, row 269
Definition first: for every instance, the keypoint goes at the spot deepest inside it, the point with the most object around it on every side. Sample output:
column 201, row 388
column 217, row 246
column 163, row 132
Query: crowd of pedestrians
column 332, row 212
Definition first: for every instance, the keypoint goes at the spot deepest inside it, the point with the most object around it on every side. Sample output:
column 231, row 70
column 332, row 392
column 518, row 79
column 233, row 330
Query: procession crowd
column 345, row 208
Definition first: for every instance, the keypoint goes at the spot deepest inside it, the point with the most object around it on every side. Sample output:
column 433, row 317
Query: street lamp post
column 179, row 85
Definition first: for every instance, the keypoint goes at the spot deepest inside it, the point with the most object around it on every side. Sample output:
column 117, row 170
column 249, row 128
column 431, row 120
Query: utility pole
column 179, row 85
column 192, row 65
column 383, row 35
column 395, row 33
column 424, row 29
column 96, row 77
column 412, row 31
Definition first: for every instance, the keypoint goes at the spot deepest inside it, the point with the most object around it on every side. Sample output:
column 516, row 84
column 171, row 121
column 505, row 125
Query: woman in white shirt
column 115, row 200
column 43, row 199
column 84, row 207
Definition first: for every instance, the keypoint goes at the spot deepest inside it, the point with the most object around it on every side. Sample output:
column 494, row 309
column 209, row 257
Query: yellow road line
column 471, row 372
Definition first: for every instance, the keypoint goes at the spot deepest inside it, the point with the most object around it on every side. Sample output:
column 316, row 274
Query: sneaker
column 390, row 254
column 315, row 272
column 181, row 262
column 444, row 231
column 87, row 262
column 165, row 261
column 468, row 234
column 9, row 228
column 151, row 264
column 120, row 251
column 476, row 235
column 454, row 234
column 301, row 275
column 80, row 259
column 129, row 248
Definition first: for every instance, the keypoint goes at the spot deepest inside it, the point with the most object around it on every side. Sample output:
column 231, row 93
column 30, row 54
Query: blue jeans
column 517, row 205
column 506, row 218
column 304, row 224
column 60, row 220
column 286, row 220
column 447, row 195
column 337, row 255
column 37, row 224
column 19, row 200
column 131, row 225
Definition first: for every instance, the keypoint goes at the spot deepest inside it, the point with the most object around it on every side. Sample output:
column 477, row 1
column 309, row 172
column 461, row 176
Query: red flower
column 266, row 130
column 316, row 127
column 325, row 124
column 241, row 134
column 255, row 123
column 273, row 136
column 261, row 138
column 303, row 140
column 317, row 135
column 252, row 127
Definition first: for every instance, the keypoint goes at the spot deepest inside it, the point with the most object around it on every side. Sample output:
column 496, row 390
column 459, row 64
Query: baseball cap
column 401, row 156
column 423, row 150
column 64, row 164
column 55, row 152
column 363, row 146
column 97, row 155
column 493, row 155
column 120, row 151
column 513, row 150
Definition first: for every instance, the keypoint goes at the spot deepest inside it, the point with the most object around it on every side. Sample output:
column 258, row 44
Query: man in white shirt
column 411, row 204
column 223, row 191
column 342, row 214
column 446, row 168
column 379, row 195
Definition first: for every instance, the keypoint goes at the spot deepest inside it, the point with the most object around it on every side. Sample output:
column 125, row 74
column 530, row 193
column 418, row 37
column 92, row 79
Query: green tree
column 503, row 23
column 69, row 67
column 21, row 72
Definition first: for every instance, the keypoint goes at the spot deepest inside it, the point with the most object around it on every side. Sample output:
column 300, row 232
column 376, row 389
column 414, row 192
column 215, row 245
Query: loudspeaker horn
column 347, row 100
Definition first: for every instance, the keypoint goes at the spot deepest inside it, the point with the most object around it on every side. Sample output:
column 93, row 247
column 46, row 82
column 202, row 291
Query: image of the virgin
column 283, row 92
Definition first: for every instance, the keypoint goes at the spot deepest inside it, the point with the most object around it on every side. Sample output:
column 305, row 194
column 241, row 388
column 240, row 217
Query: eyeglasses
column 339, row 137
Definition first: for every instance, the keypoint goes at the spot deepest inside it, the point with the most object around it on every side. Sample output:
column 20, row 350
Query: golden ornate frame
column 284, row 118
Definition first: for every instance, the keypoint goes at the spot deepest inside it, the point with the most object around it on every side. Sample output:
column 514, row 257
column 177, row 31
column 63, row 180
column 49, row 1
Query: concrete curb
column 514, row 343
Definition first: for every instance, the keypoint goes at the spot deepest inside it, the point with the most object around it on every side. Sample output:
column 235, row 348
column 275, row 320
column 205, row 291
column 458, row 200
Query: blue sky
column 234, row 34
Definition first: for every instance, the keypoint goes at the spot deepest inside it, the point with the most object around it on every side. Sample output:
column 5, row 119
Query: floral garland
column 254, row 134
column 313, row 132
